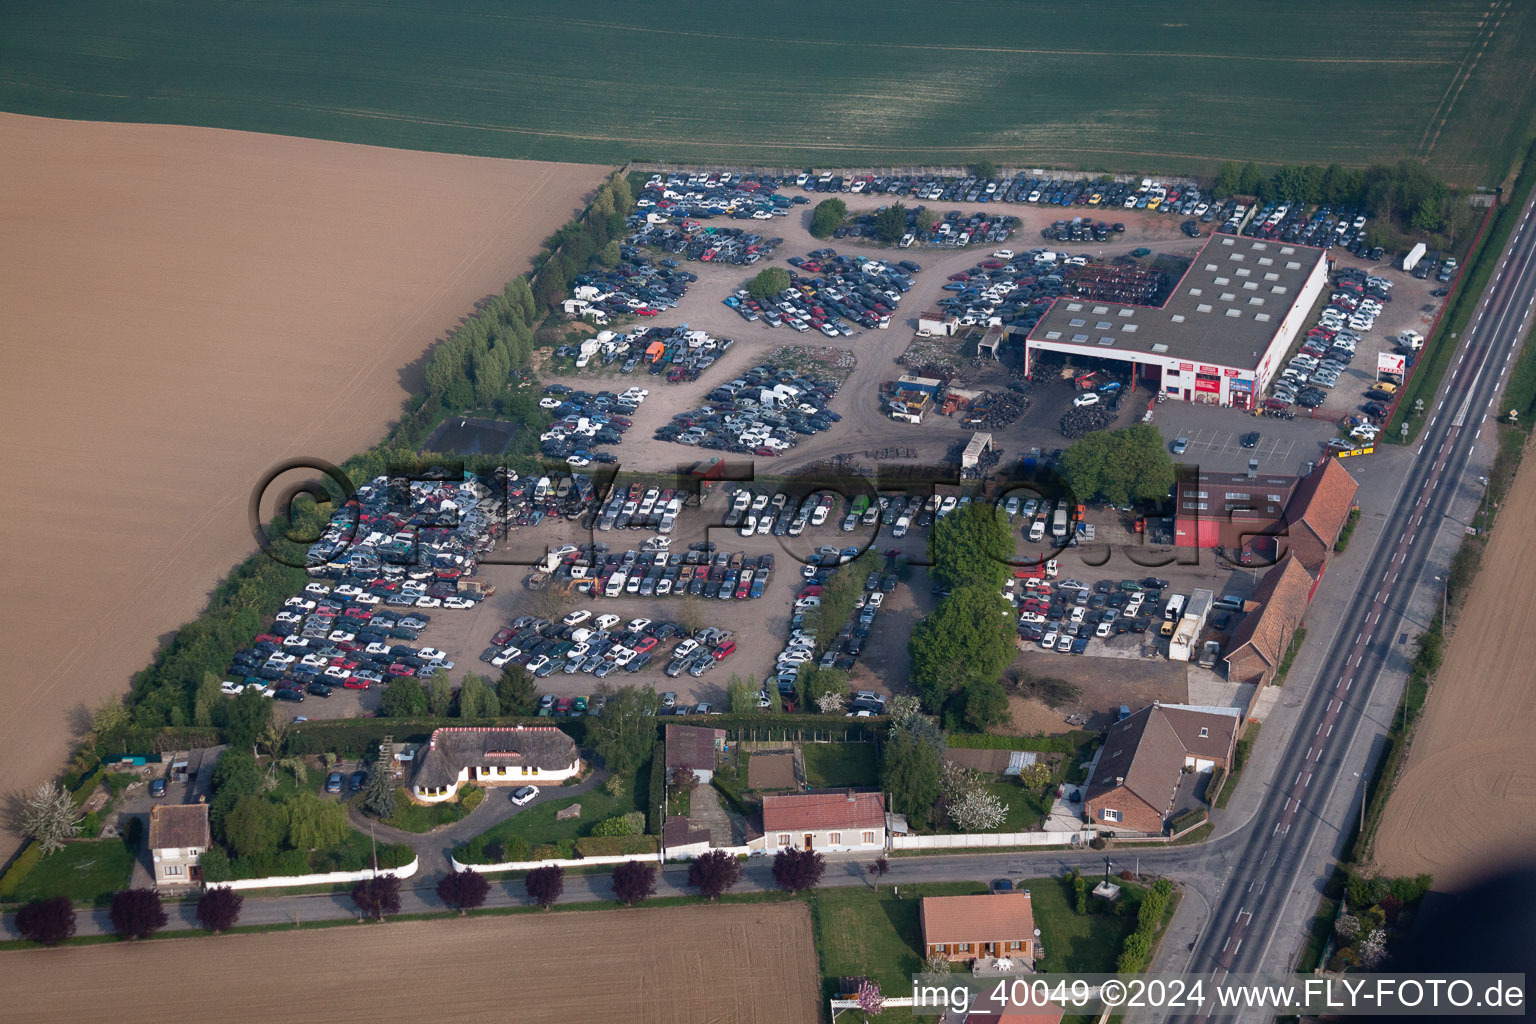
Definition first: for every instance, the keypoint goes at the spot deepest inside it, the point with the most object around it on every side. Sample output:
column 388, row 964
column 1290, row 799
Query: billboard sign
column 1391, row 362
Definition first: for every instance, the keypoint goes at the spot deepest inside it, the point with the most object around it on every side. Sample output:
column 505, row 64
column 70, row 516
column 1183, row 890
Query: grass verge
column 1240, row 755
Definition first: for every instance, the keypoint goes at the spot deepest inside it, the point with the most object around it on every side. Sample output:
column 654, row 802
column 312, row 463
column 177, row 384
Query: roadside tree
column 218, row 908
column 137, row 913
column 375, row 897
column 464, row 890
column 404, row 697
column 713, row 873
column 626, row 730
column 797, row 870
column 48, row 922
column 633, row 881
column 545, row 885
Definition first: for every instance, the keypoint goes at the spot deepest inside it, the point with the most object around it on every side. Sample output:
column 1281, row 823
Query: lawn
column 1297, row 82
column 840, row 764
column 537, row 824
column 85, row 872
column 410, row 816
column 862, row 932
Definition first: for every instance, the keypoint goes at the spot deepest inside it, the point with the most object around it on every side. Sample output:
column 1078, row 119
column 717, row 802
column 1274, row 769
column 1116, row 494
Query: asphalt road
column 1276, row 848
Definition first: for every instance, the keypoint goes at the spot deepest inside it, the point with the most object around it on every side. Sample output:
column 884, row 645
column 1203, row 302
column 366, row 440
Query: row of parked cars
column 597, row 645
column 1015, row 289
column 338, row 646
column 1059, row 191
column 681, row 195
column 584, row 421
column 1329, row 347
column 1063, row 616
column 633, row 287
column 705, row 243
column 765, row 411
column 828, row 292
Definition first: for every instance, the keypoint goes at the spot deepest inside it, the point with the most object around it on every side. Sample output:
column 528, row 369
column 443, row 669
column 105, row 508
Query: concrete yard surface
column 739, row 963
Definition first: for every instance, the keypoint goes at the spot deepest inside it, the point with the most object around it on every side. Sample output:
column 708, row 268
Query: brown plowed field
column 184, row 308
column 688, row 965
column 1466, row 803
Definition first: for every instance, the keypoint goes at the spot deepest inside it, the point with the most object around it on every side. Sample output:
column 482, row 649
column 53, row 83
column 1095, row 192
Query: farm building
column 1259, row 644
column 505, row 755
column 1220, row 336
column 840, row 821
column 1147, row 771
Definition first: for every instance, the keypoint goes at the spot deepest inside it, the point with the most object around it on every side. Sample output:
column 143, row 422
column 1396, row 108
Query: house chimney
column 850, row 796
column 1119, row 780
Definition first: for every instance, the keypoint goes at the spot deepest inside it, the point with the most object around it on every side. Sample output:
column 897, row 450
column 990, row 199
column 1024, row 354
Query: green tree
column 816, row 682
column 404, row 697
column 516, row 691
column 626, row 730
column 973, row 544
column 245, row 717
column 985, row 704
column 740, row 698
column 610, row 255
column 968, row 640
column 984, row 169
column 314, row 824
column 1119, row 466
column 477, row 699
column 439, row 694
column 768, row 283
column 926, row 219
column 828, row 217
column 910, row 772
column 1249, row 179
column 379, row 793
column 235, row 776
column 891, row 223
column 1228, row 180
column 255, row 826
column 207, row 700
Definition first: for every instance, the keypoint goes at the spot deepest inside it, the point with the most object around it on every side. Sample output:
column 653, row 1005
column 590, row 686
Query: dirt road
column 1464, row 804
column 186, row 307
column 714, row 967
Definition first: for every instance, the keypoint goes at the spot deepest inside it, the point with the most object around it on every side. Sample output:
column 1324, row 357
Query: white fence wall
column 329, row 878
column 529, row 865
column 980, row 840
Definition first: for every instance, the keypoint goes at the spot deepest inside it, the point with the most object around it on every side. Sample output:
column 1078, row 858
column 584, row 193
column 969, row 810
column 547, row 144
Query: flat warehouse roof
column 1226, row 309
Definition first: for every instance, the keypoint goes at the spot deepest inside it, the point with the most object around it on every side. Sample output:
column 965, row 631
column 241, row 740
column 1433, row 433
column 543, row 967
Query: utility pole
column 375, row 841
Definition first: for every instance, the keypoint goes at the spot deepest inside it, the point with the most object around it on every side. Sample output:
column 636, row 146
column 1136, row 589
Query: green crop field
column 1119, row 85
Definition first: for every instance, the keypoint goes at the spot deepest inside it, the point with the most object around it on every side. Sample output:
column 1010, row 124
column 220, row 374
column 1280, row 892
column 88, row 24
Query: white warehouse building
column 1221, row 335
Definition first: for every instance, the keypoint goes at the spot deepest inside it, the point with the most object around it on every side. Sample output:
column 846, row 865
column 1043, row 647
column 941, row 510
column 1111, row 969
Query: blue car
column 1079, row 645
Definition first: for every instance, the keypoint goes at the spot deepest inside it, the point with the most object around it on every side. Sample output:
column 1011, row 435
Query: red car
column 648, row 311
column 649, row 643
column 354, row 683
column 724, row 651
column 563, row 706
column 397, row 669
column 502, row 637
column 346, row 664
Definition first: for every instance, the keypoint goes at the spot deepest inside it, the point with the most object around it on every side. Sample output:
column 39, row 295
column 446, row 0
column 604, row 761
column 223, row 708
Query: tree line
column 573, row 249
column 1407, row 194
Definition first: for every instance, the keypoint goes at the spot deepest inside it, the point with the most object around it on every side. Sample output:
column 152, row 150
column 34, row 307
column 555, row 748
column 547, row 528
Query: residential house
column 1259, row 642
column 693, row 749
column 838, row 821
column 498, row 756
column 1151, row 763
column 178, row 837
column 964, row 928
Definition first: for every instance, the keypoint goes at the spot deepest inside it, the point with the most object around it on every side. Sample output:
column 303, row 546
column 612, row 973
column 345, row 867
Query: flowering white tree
column 48, row 816
column 1373, row 949
column 978, row 809
column 1347, row 927
column 902, row 707
column 830, row 703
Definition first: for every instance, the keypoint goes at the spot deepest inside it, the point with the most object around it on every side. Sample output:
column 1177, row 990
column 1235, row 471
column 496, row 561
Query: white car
column 368, row 599
column 685, row 648
column 606, row 621
column 318, row 590
column 636, row 625
column 537, row 663
column 798, row 656
column 428, row 602
column 577, row 617
column 431, row 654
column 230, row 688
column 525, row 795
column 876, row 599
column 1088, row 399
column 1104, row 629
column 457, row 602
column 1003, row 254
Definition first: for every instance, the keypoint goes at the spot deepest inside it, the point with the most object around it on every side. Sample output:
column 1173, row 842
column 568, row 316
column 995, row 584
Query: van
column 1387, row 386
column 1229, row 603
column 1037, row 530
column 1059, row 523
column 900, row 529
column 1175, row 610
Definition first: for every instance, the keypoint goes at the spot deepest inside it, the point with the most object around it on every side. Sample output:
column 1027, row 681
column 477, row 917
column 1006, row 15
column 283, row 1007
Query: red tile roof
column 178, row 826
column 819, row 811
column 1322, row 501
column 990, row 917
column 1283, row 594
